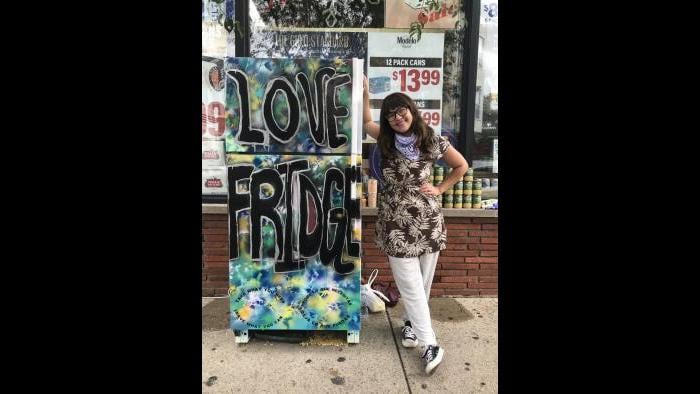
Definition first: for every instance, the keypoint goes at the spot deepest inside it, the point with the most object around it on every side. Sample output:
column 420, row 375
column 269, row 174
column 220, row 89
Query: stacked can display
column 469, row 176
column 452, row 197
column 438, row 176
column 458, row 194
column 448, row 199
column 476, row 194
column 467, row 203
column 464, row 194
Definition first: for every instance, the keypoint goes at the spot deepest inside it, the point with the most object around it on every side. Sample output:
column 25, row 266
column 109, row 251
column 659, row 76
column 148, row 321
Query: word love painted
column 321, row 106
column 288, row 181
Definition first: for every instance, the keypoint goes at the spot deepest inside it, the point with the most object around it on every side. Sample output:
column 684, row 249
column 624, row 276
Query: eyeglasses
column 400, row 111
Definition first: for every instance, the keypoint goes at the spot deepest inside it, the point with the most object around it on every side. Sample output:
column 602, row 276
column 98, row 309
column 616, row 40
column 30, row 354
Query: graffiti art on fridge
column 294, row 218
column 288, row 106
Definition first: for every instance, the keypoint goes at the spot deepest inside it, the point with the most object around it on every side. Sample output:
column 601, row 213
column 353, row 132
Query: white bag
column 370, row 297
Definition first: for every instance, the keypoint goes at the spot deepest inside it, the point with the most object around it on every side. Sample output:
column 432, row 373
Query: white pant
column 413, row 277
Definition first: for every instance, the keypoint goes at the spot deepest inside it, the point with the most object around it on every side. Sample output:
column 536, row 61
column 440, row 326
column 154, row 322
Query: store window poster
column 324, row 45
column 346, row 13
column 214, row 181
column 321, row 13
column 213, row 97
column 401, row 13
column 399, row 63
column 217, row 27
column 213, row 153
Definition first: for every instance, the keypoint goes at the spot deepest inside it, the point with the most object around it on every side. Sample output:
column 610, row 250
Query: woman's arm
column 459, row 167
column 370, row 126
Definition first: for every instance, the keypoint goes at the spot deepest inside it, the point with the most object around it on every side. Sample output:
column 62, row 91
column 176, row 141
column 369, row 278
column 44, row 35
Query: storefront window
column 422, row 39
column 217, row 42
column 485, row 152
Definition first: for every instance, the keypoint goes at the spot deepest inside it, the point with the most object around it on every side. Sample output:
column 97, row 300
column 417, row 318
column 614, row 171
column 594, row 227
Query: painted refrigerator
column 293, row 156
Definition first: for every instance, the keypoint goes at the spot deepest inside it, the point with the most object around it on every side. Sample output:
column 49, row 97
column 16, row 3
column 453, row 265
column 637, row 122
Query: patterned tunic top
column 410, row 223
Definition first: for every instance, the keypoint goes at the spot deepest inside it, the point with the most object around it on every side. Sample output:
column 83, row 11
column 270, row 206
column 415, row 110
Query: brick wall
column 468, row 267
column 214, row 255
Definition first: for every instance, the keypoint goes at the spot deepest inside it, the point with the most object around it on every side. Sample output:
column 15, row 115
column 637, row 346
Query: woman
column 410, row 226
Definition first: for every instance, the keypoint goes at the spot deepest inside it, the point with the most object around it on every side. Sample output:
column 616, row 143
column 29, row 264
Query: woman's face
column 400, row 119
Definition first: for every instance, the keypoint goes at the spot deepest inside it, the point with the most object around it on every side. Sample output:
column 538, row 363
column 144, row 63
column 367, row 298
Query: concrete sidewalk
column 466, row 327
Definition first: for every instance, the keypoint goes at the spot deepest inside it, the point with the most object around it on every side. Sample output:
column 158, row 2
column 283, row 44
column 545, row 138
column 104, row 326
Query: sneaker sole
column 409, row 343
column 432, row 366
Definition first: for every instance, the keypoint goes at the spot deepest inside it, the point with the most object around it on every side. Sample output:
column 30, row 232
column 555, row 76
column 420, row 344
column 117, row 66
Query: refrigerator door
column 294, row 243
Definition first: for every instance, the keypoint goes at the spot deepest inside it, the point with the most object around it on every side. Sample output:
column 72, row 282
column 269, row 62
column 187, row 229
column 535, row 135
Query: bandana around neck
column 406, row 144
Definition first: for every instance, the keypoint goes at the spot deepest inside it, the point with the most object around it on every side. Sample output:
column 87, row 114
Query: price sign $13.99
column 412, row 79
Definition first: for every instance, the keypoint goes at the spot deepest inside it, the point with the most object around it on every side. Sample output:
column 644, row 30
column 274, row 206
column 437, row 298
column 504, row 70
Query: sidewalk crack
column 398, row 350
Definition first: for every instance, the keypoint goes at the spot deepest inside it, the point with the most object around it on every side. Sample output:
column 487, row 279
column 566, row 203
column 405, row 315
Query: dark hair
column 424, row 132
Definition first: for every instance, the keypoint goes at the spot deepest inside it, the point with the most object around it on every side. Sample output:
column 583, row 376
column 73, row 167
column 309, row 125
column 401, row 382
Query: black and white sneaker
column 408, row 337
column 432, row 358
